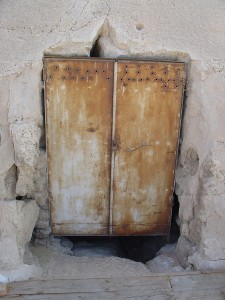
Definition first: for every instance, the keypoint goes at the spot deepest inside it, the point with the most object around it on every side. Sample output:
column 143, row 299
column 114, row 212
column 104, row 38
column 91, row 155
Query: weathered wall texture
column 191, row 31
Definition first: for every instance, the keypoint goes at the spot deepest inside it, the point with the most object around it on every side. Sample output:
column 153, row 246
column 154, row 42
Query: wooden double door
column 112, row 136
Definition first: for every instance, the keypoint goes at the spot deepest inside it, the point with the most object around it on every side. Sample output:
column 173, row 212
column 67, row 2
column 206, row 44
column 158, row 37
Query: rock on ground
column 166, row 261
column 17, row 221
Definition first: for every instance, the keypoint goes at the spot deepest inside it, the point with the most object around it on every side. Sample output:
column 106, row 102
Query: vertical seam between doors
column 113, row 153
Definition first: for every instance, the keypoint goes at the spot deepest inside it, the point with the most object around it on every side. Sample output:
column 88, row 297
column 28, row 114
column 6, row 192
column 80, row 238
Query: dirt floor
column 59, row 262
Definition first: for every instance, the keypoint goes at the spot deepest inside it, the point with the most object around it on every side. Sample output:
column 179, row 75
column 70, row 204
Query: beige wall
column 190, row 31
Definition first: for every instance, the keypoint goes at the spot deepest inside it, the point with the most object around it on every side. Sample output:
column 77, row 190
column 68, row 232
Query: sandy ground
column 57, row 262
column 54, row 261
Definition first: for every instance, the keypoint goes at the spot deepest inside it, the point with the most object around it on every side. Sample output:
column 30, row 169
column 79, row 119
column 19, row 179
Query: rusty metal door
column 112, row 134
column 78, row 117
column 147, row 120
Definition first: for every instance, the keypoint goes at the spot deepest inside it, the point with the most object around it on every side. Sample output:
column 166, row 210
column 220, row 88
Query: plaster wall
column 190, row 31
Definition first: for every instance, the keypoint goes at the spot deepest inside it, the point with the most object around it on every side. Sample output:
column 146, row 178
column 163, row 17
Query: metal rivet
column 121, row 79
column 147, row 78
column 56, row 67
column 82, row 78
column 103, row 71
column 108, row 78
column 152, row 73
column 68, row 68
column 138, row 72
column 87, row 71
column 156, row 79
column 72, row 77
column 96, row 71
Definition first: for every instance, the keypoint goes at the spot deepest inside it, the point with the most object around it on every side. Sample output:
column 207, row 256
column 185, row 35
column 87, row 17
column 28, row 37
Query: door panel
column 79, row 115
column 128, row 191
column 147, row 121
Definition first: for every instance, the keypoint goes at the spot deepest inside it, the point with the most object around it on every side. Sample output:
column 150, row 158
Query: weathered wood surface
column 78, row 122
column 177, row 286
column 112, row 132
column 148, row 110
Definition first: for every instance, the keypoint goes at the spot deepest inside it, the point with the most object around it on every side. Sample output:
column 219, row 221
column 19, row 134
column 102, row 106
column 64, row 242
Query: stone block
column 184, row 249
column 25, row 99
column 26, row 138
column 17, row 221
column 4, row 101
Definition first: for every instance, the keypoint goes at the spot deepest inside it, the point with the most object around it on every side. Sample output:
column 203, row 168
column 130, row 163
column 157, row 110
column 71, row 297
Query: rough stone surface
column 20, row 273
column 150, row 29
column 165, row 261
column 184, row 250
column 17, row 221
column 64, row 242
